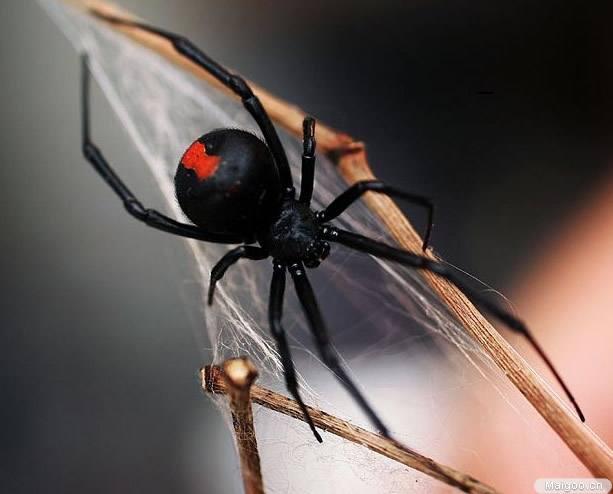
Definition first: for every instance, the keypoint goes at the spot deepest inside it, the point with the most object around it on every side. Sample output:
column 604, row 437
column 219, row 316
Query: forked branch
column 214, row 380
column 237, row 378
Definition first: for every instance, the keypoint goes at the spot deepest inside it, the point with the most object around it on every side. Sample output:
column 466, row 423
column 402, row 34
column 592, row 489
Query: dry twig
column 213, row 380
column 353, row 166
column 238, row 376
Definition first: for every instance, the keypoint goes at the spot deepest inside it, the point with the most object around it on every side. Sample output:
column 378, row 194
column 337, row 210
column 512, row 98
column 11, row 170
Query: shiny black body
column 241, row 196
column 249, row 196
column 244, row 197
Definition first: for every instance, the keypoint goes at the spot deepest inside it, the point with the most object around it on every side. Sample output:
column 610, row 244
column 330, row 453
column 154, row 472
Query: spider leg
column 232, row 81
column 275, row 312
column 358, row 189
column 308, row 160
column 324, row 346
column 383, row 251
column 230, row 258
column 150, row 217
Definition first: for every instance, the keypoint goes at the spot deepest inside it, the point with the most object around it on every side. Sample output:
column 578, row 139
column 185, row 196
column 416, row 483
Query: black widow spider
column 237, row 189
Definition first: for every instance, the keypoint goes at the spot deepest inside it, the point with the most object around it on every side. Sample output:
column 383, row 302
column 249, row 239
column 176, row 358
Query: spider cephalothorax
column 238, row 189
column 294, row 234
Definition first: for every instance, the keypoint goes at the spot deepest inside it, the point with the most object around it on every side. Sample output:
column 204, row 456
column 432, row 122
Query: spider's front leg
column 275, row 312
column 324, row 345
column 358, row 189
column 384, row 251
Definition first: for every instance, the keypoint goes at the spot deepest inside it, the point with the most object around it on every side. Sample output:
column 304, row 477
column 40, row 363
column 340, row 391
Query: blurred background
column 502, row 113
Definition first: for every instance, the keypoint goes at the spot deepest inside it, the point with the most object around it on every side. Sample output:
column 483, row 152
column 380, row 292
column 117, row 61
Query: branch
column 353, row 166
column 213, row 380
column 238, row 376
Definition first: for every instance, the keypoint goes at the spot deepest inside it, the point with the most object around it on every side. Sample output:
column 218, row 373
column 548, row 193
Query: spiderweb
column 406, row 352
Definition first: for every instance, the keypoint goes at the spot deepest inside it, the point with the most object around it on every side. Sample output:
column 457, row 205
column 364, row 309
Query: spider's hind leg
column 150, row 217
column 230, row 258
column 233, row 82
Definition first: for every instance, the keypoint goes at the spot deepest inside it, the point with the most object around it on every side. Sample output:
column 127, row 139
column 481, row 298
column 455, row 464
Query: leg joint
column 275, row 327
column 136, row 209
column 91, row 152
column 296, row 269
column 239, row 86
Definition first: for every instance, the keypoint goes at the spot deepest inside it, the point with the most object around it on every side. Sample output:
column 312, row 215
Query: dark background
column 501, row 112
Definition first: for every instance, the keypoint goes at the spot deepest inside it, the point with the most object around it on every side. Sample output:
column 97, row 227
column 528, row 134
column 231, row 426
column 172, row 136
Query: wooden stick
column 238, row 375
column 582, row 441
column 214, row 381
column 289, row 116
column 353, row 165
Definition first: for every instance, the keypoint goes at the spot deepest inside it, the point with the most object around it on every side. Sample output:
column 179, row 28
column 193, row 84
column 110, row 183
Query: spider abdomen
column 227, row 182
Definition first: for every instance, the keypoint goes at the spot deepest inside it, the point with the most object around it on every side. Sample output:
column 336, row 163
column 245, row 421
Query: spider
column 237, row 189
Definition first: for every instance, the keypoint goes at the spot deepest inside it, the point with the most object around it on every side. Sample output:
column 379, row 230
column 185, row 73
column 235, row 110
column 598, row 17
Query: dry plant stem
column 584, row 443
column 280, row 111
column 239, row 374
column 213, row 380
column 353, row 166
